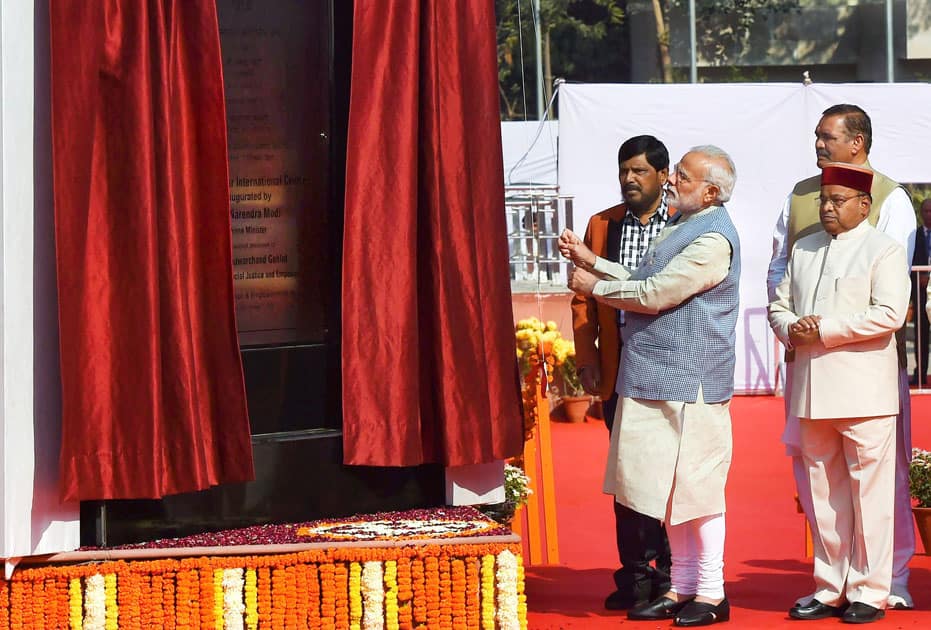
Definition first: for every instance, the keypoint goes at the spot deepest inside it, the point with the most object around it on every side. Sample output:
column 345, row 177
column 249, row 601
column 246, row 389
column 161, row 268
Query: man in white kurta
column 842, row 299
column 844, row 134
column 671, row 441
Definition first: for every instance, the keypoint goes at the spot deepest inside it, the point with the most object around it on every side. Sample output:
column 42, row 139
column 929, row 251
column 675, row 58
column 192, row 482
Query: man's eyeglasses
column 836, row 201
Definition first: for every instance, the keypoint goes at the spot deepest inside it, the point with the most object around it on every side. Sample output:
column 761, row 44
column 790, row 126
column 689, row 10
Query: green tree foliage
column 582, row 40
column 587, row 40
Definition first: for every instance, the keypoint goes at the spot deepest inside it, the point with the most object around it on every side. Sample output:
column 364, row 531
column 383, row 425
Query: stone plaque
column 277, row 96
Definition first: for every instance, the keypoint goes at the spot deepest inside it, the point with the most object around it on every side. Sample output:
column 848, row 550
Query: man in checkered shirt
column 622, row 234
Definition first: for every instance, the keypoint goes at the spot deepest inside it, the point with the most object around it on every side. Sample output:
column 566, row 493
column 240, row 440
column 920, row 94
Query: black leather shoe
column 814, row 610
column 703, row 614
column 623, row 601
column 659, row 608
column 858, row 612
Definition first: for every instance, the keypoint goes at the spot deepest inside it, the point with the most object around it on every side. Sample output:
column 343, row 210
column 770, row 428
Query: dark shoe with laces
column 858, row 612
column 703, row 614
column 814, row 610
column 659, row 608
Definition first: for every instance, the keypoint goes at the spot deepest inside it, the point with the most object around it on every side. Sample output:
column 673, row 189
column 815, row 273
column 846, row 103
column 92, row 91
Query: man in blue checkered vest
column 671, row 443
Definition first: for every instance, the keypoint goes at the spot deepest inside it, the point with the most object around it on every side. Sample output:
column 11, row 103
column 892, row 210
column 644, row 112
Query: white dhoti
column 669, row 460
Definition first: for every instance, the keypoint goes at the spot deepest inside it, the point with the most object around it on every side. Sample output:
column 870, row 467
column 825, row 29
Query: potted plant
column 919, row 483
column 534, row 337
column 516, row 491
column 574, row 398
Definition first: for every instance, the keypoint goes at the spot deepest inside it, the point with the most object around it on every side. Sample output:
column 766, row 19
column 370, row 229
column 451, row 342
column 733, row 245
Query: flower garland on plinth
column 75, row 603
column 251, row 600
column 436, row 586
column 506, row 613
column 373, row 595
column 355, row 596
column 391, row 595
column 488, row 592
column 233, row 584
column 95, row 603
column 405, row 593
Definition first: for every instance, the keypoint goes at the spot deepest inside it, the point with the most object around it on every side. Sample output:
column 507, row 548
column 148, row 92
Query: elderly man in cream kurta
column 842, row 299
column 671, row 441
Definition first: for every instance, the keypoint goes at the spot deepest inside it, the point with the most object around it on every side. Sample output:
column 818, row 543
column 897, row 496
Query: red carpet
column 765, row 565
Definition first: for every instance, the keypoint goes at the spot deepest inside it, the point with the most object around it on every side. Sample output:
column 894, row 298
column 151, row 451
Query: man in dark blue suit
column 920, row 293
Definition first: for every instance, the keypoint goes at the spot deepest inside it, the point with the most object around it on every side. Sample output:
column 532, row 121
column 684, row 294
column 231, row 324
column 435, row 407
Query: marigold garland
column 405, row 593
column 265, row 597
column 458, row 594
column 152, row 609
column 169, row 603
column 355, row 596
column 419, row 588
column 431, row 569
column 313, row 597
column 473, row 590
column 327, row 597
column 4, row 604
column 391, row 595
column 17, row 601
column 252, row 601
column 38, row 613
column 521, row 595
column 207, row 597
column 217, row 598
column 435, row 586
column 302, row 598
column 182, row 598
column 341, row 587
column 128, row 600
column 279, row 597
column 446, row 608
column 488, row 592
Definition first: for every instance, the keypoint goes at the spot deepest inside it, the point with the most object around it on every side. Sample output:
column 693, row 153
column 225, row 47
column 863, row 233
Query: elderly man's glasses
column 836, row 201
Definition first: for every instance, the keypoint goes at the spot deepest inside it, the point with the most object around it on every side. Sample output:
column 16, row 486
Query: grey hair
column 724, row 176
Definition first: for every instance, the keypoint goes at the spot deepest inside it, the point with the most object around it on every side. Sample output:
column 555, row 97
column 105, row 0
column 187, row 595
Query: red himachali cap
column 840, row 174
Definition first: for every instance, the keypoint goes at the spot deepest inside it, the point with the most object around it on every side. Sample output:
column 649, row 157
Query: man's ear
column 859, row 144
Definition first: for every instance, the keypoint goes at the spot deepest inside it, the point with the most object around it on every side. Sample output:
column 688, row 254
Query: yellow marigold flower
column 551, row 325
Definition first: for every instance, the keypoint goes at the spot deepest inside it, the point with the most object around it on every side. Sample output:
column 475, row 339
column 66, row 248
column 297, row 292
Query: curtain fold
column 429, row 369
column 153, row 394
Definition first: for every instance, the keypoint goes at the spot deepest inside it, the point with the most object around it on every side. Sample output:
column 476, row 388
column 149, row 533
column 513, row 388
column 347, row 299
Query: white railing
column 536, row 215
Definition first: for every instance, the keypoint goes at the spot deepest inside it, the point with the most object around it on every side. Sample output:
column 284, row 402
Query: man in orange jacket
column 623, row 233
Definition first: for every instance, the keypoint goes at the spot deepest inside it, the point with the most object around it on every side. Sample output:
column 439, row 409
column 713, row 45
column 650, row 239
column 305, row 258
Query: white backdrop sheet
column 529, row 151
column 768, row 129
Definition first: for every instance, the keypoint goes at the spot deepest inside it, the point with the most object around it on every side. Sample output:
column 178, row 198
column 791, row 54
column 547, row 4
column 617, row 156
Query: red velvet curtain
column 429, row 372
column 153, row 395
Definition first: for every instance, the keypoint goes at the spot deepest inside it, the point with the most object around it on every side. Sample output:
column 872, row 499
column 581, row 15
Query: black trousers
column 640, row 541
column 919, row 300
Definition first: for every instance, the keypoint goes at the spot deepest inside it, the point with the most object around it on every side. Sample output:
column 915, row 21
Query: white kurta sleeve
column 889, row 296
column 897, row 219
column 703, row 264
column 782, row 308
column 777, row 264
column 611, row 269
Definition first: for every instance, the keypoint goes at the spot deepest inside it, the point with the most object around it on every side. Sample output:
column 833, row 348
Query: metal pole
column 890, row 62
column 539, row 37
column 693, row 56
